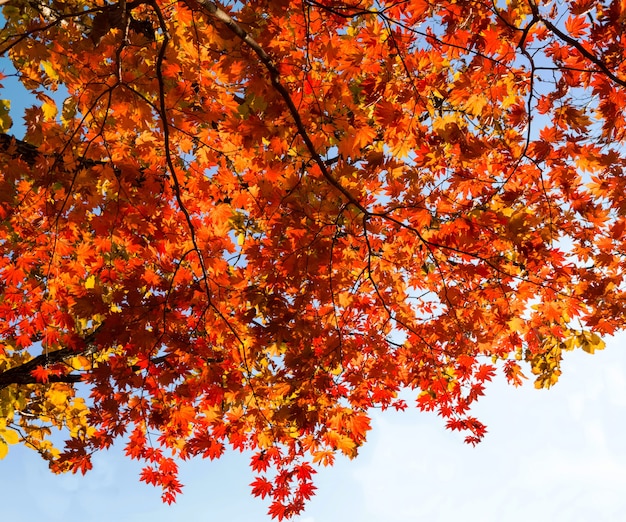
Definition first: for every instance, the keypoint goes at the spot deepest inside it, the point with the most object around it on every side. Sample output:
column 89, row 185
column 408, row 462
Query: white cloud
column 549, row 455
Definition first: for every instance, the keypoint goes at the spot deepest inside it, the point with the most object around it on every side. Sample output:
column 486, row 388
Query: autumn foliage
column 245, row 224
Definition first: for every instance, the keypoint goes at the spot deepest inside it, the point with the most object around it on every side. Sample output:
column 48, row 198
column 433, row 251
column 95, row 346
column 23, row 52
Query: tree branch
column 577, row 45
column 22, row 374
column 213, row 10
column 29, row 153
column 18, row 148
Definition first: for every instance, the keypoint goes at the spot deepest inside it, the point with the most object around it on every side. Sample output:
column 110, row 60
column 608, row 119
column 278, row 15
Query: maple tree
column 246, row 224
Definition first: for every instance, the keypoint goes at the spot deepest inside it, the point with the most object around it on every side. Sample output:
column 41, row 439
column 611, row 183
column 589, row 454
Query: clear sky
column 555, row 455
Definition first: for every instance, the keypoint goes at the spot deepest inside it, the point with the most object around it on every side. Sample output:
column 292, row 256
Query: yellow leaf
column 90, row 282
column 49, row 109
column 4, row 448
column 49, row 70
column 56, row 397
column 346, row 445
column 516, row 324
column 596, row 341
column 324, row 457
column 475, row 104
column 265, row 439
column 69, row 110
column 80, row 362
column 571, row 343
column 10, row 436
column 590, row 342
column 5, row 118
column 344, row 299
column 337, row 370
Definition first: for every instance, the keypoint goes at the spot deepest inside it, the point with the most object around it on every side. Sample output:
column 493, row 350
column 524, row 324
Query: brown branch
column 577, row 45
column 22, row 374
column 29, row 153
column 18, row 148
column 70, row 378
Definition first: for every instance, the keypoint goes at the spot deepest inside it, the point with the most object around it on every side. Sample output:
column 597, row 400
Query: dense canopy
column 246, row 224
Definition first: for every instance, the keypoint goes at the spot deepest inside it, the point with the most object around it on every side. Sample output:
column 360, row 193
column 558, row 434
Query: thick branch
column 69, row 378
column 22, row 374
column 29, row 153
column 18, row 148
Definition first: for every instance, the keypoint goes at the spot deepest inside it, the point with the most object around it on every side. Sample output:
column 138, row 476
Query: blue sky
column 550, row 455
